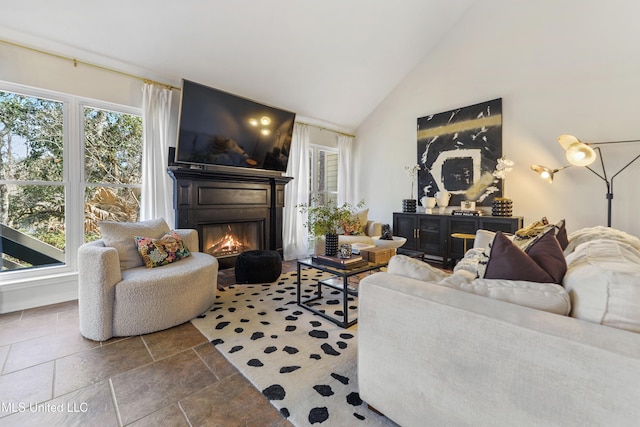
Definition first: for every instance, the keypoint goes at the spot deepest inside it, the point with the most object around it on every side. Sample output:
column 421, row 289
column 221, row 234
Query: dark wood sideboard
column 431, row 233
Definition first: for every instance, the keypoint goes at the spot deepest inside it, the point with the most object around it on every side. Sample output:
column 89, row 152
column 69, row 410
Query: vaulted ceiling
column 332, row 60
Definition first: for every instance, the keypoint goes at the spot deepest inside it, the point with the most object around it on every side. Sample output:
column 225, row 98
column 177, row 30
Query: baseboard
column 375, row 410
column 37, row 293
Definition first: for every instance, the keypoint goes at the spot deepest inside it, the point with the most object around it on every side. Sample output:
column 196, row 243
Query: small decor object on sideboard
column 428, row 203
column 466, row 212
column 442, row 200
column 409, row 205
column 467, row 205
column 501, row 206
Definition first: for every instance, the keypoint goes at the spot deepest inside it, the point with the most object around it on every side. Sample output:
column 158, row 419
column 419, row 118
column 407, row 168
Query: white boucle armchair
column 132, row 301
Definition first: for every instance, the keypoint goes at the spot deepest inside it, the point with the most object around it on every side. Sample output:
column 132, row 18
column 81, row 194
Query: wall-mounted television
column 216, row 128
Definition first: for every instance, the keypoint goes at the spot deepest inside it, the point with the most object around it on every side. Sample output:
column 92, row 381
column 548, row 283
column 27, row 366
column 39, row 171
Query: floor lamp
column 582, row 154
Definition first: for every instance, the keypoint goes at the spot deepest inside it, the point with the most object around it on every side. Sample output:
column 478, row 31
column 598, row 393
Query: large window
column 323, row 181
column 43, row 176
column 32, row 187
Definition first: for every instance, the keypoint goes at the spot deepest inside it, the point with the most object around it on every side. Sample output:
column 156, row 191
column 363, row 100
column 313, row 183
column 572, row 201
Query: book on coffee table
column 354, row 261
column 357, row 247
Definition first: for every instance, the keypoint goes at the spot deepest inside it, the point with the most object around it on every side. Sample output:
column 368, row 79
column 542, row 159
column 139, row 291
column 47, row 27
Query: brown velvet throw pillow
column 543, row 262
column 547, row 252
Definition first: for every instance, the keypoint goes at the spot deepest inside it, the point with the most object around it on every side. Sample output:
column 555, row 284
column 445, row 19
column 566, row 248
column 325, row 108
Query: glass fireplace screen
column 230, row 239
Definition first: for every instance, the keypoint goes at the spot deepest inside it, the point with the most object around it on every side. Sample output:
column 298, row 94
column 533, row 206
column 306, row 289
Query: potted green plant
column 329, row 220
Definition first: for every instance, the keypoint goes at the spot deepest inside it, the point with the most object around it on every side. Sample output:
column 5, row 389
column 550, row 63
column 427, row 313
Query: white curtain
column 157, row 187
column 345, row 178
column 294, row 235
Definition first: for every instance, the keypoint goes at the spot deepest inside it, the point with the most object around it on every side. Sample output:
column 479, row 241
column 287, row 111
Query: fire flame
column 227, row 245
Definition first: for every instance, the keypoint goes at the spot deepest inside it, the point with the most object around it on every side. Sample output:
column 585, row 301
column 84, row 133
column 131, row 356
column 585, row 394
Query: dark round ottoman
column 258, row 266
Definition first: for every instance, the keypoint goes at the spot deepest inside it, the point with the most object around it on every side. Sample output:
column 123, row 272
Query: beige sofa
column 446, row 352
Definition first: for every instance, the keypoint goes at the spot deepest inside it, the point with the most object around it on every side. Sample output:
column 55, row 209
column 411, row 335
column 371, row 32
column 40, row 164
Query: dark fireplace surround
column 244, row 207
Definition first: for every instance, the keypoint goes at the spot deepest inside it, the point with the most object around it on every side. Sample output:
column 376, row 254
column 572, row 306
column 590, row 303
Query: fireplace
column 232, row 211
column 231, row 239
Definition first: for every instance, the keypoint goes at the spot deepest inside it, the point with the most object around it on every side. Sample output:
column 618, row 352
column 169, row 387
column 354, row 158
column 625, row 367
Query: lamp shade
column 544, row 172
column 580, row 154
column 577, row 153
column 566, row 141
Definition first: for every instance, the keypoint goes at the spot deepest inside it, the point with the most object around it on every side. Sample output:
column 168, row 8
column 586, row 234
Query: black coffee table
column 338, row 281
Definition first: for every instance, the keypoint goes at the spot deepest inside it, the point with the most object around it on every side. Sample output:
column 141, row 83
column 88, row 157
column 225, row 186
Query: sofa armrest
column 373, row 228
column 190, row 238
column 426, row 351
column 98, row 273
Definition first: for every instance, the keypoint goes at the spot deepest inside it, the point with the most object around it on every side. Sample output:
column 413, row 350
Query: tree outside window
column 36, row 189
column 113, row 168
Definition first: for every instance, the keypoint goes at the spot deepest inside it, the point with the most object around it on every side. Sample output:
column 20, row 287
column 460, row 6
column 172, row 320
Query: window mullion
column 73, row 169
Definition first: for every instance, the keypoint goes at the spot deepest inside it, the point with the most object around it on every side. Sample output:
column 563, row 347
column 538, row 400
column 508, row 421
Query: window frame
column 73, row 176
column 91, row 103
column 314, row 155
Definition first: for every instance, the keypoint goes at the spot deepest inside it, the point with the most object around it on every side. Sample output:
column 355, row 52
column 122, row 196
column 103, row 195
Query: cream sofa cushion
column 548, row 297
column 603, row 281
column 363, row 217
column 410, row 267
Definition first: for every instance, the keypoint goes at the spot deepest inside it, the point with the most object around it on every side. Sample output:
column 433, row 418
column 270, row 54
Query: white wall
column 320, row 136
column 43, row 71
column 560, row 67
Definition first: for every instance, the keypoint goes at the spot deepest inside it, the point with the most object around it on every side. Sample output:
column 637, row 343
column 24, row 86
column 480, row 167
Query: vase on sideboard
column 409, row 205
column 501, row 206
column 428, row 203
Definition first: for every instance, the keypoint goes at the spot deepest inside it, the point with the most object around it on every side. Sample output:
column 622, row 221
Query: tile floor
column 52, row 376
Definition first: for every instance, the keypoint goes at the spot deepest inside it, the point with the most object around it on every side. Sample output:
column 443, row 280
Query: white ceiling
column 331, row 61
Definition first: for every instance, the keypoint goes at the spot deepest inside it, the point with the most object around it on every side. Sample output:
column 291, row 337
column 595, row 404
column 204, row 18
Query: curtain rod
column 100, row 67
column 327, row 129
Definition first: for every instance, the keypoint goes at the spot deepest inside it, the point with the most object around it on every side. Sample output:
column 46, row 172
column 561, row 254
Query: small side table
column 465, row 238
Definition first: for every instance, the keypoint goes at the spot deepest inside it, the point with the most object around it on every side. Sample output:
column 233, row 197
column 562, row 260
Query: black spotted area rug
column 304, row 364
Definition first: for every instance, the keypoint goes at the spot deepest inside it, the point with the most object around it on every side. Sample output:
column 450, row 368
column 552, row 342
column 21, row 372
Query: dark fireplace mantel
column 202, row 197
